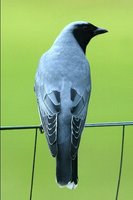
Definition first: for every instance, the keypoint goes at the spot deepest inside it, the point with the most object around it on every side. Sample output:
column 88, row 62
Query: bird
column 62, row 88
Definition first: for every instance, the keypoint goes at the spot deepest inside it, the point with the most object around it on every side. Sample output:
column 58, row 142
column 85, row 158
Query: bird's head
column 84, row 32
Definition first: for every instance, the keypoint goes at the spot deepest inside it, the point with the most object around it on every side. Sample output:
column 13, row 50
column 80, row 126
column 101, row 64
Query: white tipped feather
column 71, row 185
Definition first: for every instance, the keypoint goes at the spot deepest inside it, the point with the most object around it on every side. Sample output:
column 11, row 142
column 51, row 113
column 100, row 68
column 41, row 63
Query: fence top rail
column 101, row 124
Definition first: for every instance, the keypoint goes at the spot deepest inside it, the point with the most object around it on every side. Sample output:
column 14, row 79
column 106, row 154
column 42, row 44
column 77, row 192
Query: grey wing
column 79, row 111
column 49, row 108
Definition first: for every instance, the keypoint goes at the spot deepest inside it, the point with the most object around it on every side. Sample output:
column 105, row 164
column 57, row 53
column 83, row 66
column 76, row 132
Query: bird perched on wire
column 63, row 87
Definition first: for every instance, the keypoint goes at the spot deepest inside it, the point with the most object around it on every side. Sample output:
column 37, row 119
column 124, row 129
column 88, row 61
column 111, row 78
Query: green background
column 29, row 28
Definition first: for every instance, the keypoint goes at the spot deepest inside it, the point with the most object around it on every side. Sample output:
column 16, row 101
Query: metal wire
column 33, row 164
column 121, row 161
column 104, row 124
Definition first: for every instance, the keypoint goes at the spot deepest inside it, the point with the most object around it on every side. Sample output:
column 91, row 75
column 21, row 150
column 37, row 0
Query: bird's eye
column 85, row 28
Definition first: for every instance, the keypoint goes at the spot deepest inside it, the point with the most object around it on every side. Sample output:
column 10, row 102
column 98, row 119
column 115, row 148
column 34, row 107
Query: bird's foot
column 41, row 129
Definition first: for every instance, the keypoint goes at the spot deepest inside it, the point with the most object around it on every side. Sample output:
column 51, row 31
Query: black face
column 84, row 32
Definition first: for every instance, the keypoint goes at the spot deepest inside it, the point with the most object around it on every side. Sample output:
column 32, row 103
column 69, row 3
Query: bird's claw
column 41, row 129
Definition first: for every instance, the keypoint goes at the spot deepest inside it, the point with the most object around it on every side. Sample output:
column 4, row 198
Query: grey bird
column 63, row 87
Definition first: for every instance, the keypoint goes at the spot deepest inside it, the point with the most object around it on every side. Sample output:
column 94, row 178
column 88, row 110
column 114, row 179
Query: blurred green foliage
column 28, row 30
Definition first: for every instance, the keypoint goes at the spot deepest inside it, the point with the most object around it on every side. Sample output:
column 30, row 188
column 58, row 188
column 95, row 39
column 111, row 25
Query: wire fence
column 93, row 125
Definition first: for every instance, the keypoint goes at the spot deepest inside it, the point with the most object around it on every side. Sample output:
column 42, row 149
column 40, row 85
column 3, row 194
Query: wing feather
column 77, row 121
column 49, row 117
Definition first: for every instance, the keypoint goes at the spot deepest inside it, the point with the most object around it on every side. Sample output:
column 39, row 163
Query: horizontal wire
column 106, row 124
column 101, row 124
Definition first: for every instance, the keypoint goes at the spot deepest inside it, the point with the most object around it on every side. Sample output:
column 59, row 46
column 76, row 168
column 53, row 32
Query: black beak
column 99, row 31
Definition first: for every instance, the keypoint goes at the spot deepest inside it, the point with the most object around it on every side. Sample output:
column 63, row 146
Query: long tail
column 63, row 164
column 74, row 177
column 75, row 170
column 66, row 168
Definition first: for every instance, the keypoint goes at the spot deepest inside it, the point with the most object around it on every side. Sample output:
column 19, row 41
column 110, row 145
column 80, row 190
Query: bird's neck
column 82, row 44
column 67, row 39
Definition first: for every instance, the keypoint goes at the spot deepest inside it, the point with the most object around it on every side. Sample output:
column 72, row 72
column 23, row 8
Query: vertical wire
column 33, row 164
column 0, row 162
column 121, row 162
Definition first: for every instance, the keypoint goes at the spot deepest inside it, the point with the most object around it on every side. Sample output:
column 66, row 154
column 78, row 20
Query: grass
column 28, row 30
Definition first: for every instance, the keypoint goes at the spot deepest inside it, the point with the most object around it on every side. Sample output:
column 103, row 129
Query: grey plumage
column 63, row 87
